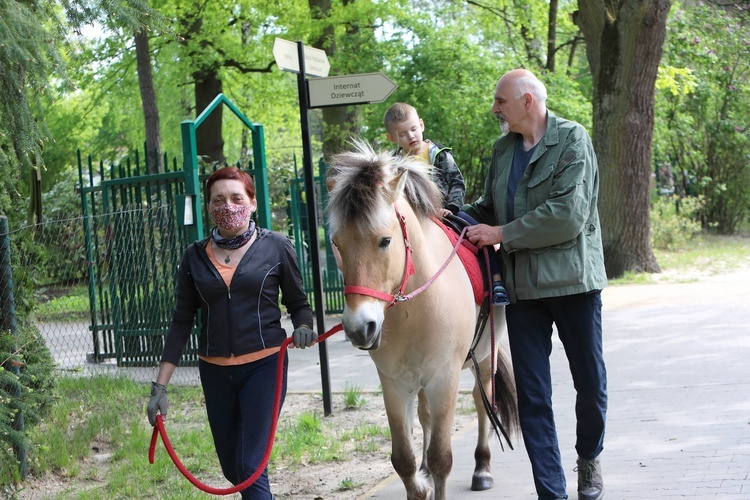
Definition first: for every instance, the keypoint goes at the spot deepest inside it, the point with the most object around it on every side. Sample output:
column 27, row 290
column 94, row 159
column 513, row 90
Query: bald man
column 540, row 205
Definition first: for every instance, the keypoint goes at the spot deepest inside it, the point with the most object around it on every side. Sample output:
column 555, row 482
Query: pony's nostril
column 371, row 329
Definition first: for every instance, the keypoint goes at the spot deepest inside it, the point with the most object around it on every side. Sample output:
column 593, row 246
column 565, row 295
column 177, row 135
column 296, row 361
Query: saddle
column 471, row 257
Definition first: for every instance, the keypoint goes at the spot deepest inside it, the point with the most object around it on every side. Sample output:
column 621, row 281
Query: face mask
column 231, row 217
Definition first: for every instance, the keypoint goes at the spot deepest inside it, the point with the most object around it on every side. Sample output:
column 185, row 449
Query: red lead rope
column 159, row 430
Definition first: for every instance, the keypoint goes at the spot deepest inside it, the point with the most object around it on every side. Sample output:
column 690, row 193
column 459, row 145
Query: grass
column 367, row 438
column 72, row 306
column 349, row 484
column 304, row 441
column 105, row 416
column 705, row 255
column 353, row 397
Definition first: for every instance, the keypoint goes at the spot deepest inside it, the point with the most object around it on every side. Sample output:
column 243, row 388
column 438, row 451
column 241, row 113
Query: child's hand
column 445, row 212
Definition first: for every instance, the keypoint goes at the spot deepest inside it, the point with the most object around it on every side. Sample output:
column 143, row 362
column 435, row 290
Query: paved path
column 679, row 397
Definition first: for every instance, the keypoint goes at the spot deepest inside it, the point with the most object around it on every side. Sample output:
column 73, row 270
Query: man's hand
column 483, row 235
column 304, row 337
column 157, row 403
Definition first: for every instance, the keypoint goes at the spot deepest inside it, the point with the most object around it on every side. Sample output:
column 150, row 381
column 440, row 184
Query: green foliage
column 34, row 73
column 701, row 139
column 28, row 393
column 674, row 221
column 23, row 253
column 33, row 35
column 465, row 405
column 445, row 56
column 30, row 32
column 63, row 243
column 454, row 105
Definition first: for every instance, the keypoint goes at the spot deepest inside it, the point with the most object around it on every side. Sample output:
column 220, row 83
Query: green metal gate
column 333, row 284
column 136, row 228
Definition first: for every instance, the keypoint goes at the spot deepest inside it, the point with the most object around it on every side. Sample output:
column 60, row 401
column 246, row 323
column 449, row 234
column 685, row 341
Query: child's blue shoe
column 499, row 294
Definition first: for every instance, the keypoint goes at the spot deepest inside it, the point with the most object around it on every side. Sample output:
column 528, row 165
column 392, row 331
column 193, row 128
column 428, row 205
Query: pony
column 382, row 213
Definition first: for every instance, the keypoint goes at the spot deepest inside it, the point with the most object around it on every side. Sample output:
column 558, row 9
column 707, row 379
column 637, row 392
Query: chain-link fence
column 102, row 288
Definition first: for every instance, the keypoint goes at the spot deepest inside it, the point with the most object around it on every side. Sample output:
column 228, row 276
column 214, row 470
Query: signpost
column 285, row 53
column 323, row 92
column 350, row 89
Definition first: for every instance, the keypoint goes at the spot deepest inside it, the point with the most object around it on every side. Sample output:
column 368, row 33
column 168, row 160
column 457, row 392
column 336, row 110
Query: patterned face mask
column 231, row 217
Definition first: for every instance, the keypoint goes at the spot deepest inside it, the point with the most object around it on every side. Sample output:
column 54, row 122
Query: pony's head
column 365, row 187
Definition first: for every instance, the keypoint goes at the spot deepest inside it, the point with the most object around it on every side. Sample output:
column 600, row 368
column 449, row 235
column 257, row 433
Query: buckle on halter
column 400, row 297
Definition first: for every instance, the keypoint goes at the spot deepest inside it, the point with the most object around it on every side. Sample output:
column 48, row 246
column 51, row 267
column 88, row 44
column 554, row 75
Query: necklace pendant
column 226, row 261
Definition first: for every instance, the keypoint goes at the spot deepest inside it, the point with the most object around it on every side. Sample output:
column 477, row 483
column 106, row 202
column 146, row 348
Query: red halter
column 394, row 298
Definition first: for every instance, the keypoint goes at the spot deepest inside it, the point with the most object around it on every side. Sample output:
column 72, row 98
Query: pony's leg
column 399, row 407
column 423, row 411
column 482, row 478
column 443, row 396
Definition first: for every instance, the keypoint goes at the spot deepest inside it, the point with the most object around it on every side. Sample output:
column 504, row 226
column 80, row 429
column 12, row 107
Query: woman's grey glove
column 303, row 337
column 157, row 403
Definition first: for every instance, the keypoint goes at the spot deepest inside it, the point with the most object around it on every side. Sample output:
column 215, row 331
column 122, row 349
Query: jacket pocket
column 558, row 266
column 541, row 176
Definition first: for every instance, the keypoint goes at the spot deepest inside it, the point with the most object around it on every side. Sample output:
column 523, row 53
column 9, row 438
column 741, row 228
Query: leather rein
column 399, row 296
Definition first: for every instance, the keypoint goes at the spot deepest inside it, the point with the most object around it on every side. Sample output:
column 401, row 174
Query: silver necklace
column 227, row 259
column 227, row 256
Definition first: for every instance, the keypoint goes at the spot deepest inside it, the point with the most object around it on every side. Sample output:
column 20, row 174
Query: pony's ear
column 398, row 184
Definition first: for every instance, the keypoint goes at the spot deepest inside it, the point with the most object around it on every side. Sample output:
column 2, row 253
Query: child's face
column 408, row 134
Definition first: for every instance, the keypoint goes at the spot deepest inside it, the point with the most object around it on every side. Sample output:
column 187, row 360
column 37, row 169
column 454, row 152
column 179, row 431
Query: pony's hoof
column 481, row 481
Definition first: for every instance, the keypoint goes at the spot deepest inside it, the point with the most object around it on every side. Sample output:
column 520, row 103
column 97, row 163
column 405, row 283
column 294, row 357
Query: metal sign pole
column 312, row 218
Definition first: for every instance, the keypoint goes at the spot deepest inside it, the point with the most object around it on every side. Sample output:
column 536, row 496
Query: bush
column 63, row 243
column 30, row 393
column 674, row 221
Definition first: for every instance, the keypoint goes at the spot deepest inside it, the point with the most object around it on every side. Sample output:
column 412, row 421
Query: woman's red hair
column 234, row 174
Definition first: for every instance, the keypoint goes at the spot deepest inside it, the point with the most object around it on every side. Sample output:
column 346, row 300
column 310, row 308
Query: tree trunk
column 208, row 136
column 339, row 122
column 207, row 85
column 624, row 44
column 551, row 36
column 148, row 101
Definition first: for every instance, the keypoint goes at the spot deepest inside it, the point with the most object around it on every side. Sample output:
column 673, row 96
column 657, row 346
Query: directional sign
column 285, row 54
column 349, row 89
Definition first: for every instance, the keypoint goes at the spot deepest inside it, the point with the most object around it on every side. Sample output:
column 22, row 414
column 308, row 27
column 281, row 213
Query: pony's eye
column 385, row 242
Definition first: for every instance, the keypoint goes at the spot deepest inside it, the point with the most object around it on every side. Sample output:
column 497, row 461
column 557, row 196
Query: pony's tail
column 505, row 420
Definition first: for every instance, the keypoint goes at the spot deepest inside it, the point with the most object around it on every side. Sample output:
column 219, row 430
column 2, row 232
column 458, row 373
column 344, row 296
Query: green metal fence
column 137, row 225
column 134, row 249
column 134, row 240
column 333, row 284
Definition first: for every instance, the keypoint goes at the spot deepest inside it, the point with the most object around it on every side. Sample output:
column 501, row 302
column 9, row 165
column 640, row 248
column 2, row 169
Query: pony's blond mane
column 363, row 181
